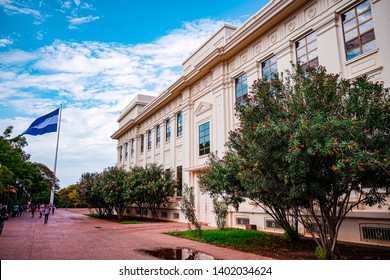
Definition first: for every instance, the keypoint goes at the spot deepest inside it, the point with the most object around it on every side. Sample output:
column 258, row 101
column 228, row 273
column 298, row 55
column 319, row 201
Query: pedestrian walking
column 41, row 210
column 52, row 209
column 3, row 217
column 47, row 212
column 33, row 208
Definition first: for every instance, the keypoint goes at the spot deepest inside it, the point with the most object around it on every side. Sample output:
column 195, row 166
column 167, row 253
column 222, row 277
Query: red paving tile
column 70, row 235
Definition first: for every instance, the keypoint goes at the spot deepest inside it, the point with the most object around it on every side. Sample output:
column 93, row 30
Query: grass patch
column 233, row 238
column 126, row 219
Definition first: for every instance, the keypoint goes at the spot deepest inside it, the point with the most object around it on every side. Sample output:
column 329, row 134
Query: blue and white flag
column 45, row 124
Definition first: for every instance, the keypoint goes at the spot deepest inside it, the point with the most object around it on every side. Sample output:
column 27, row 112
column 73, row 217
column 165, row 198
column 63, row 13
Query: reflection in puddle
column 178, row 254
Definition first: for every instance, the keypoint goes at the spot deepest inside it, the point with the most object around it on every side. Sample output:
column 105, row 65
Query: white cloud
column 5, row 42
column 17, row 7
column 75, row 21
column 94, row 81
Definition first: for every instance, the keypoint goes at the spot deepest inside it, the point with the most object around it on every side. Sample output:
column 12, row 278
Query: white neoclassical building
column 193, row 116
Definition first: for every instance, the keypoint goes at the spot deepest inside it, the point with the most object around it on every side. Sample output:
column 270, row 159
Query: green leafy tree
column 221, row 211
column 187, row 207
column 15, row 166
column 338, row 149
column 152, row 187
column 115, row 184
column 68, row 197
column 92, row 193
column 222, row 179
column 317, row 145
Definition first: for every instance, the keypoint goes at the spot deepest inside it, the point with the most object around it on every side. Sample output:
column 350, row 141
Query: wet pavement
column 71, row 235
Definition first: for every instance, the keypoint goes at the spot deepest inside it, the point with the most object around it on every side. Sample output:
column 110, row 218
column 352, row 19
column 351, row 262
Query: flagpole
column 55, row 160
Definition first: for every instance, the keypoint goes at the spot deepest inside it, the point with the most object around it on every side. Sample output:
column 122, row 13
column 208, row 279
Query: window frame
column 142, row 140
column 204, row 145
column 132, row 148
column 179, row 124
column 149, row 140
column 271, row 63
column 158, row 135
column 358, row 38
column 168, row 130
column 241, row 88
column 306, row 54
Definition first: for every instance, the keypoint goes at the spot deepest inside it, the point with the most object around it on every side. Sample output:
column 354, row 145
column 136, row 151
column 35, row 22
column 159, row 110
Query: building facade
column 192, row 117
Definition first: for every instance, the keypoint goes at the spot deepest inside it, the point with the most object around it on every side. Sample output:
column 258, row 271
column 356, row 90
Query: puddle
column 178, row 254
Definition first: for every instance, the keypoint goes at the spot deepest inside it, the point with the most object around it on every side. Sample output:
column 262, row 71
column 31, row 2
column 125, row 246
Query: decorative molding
column 232, row 66
column 273, row 37
column 244, row 57
column 257, row 47
column 203, row 107
column 291, row 25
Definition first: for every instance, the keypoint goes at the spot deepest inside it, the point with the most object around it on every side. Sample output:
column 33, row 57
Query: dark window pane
column 352, row 44
column 314, row 62
column 369, row 36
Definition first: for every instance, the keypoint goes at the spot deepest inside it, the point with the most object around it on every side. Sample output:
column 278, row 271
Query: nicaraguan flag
column 44, row 124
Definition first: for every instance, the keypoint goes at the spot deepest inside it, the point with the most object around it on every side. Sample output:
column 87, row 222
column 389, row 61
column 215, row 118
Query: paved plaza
column 71, row 235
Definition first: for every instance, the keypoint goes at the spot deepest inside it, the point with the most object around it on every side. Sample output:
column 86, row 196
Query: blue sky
column 93, row 57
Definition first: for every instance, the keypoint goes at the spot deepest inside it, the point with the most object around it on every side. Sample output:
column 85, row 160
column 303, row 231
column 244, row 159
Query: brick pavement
column 70, row 235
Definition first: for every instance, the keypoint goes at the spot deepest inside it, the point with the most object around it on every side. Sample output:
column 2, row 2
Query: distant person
column 3, row 217
column 15, row 210
column 33, row 208
column 47, row 212
column 41, row 210
column 20, row 210
column 52, row 209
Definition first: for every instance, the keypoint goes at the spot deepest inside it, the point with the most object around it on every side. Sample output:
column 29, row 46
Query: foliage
column 15, row 165
column 115, row 188
column 68, row 197
column 92, row 193
column 338, row 149
column 310, row 148
column 157, row 186
column 221, row 179
column 221, row 212
column 231, row 237
column 187, row 207
column 114, row 183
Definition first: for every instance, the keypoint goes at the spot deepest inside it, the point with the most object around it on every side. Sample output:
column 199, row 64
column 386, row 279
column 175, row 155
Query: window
column 179, row 180
column 158, row 135
column 241, row 89
column 132, row 148
column 149, row 139
column 127, row 150
column 142, row 143
column 168, row 130
column 179, row 124
column 204, row 139
column 120, row 153
column 269, row 68
column 358, row 30
column 307, row 52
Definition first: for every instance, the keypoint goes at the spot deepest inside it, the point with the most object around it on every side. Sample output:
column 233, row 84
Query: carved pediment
column 203, row 107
